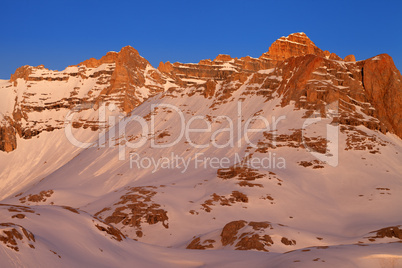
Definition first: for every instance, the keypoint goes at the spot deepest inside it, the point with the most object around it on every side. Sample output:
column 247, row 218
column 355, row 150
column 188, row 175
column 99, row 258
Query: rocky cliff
column 38, row 99
column 368, row 91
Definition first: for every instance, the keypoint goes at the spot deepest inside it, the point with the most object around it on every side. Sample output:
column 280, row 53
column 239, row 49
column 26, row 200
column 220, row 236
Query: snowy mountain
column 291, row 159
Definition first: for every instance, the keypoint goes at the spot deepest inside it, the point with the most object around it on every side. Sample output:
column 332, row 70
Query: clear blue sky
column 62, row 33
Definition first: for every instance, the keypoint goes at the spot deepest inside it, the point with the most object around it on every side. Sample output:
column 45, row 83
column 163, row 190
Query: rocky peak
column 223, row 57
column 165, row 67
column 21, row 72
column 110, row 57
column 350, row 58
column 296, row 44
column 125, row 53
column 130, row 74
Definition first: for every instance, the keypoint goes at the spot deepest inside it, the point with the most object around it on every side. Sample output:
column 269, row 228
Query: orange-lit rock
column 383, row 86
column 350, row 58
column 297, row 44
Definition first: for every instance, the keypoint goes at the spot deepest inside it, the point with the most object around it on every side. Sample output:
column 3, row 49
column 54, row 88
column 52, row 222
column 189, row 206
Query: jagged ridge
column 125, row 78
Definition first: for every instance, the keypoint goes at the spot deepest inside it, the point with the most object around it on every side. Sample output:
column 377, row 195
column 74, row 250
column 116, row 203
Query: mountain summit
column 296, row 44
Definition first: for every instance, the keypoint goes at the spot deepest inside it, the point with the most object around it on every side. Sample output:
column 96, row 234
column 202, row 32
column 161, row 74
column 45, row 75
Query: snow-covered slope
column 64, row 237
column 291, row 158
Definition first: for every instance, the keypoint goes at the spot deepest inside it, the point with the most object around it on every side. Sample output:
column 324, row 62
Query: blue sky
column 62, row 33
